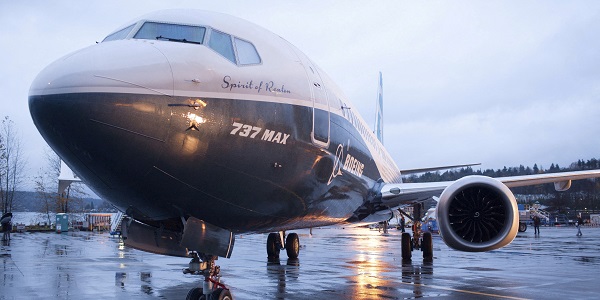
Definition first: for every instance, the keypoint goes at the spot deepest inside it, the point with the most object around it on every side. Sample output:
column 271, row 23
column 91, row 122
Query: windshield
column 119, row 35
column 171, row 32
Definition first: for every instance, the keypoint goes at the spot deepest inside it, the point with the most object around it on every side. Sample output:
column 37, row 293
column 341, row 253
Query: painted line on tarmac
column 463, row 291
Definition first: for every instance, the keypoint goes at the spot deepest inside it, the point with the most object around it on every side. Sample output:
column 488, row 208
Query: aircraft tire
column 427, row 246
column 522, row 227
column 195, row 294
column 406, row 246
column 292, row 245
column 221, row 294
column 273, row 245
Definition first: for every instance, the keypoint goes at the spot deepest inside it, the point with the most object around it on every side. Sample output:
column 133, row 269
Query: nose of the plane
column 125, row 66
column 104, row 111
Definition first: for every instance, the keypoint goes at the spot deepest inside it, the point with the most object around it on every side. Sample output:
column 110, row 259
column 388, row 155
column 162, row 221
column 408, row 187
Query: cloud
column 492, row 82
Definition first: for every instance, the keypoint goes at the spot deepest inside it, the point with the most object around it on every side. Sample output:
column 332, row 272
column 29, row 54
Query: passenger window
column 171, row 32
column 119, row 35
column 247, row 54
column 221, row 42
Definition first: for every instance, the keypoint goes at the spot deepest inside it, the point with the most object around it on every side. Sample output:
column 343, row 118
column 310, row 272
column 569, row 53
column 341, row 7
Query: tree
column 12, row 164
column 71, row 201
column 106, row 206
column 2, row 156
column 46, row 197
column 46, row 183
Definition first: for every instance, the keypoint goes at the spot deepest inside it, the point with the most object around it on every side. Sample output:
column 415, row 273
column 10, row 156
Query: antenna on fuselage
column 379, row 111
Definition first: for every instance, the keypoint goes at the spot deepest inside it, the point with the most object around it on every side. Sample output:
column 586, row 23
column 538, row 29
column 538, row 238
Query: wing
column 432, row 169
column 395, row 194
column 476, row 213
column 562, row 181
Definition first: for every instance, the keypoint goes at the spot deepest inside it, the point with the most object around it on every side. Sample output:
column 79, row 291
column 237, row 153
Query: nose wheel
column 275, row 243
column 218, row 294
column 212, row 288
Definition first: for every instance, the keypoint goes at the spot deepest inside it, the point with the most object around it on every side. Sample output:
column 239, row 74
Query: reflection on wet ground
column 334, row 263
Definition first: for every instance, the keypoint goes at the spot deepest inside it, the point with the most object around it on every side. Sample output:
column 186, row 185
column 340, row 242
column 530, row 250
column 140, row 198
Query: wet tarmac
column 337, row 263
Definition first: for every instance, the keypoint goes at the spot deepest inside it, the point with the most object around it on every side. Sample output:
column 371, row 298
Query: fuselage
column 193, row 113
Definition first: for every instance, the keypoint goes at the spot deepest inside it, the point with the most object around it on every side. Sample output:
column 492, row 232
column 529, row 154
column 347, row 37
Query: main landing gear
column 418, row 241
column 425, row 243
column 212, row 288
column 275, row 243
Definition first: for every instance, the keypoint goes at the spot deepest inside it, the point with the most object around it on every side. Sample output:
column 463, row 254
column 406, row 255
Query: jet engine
column 476, row 214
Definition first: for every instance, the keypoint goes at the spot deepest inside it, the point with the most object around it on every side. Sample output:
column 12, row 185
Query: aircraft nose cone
column 126, row 66
column 104, row 111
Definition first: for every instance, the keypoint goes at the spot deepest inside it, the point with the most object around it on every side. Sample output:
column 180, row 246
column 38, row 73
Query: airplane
column 201, row 126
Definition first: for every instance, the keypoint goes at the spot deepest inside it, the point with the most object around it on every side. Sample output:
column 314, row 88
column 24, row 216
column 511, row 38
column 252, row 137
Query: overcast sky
column 500, row 83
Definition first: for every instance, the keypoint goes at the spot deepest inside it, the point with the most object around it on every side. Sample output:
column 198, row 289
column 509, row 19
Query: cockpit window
column 119, row 35
column 171, row 32
column 221, row 42
column 238, row 51
column 247, row 54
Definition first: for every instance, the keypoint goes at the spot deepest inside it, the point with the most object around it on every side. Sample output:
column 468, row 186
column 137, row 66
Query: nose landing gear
column 212, row 288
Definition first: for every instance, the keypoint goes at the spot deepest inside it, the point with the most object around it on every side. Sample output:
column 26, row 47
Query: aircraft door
column 321, row 126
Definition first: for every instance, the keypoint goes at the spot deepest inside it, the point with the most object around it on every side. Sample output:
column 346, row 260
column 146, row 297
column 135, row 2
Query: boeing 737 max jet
column 200, row 126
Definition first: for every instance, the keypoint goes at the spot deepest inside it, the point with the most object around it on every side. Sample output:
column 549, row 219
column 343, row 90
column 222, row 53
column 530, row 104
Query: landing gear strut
column 416, row 234
column 212, row 288
column 275, row 243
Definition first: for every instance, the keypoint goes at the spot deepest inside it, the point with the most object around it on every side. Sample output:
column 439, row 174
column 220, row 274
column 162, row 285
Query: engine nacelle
column 477, row 213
